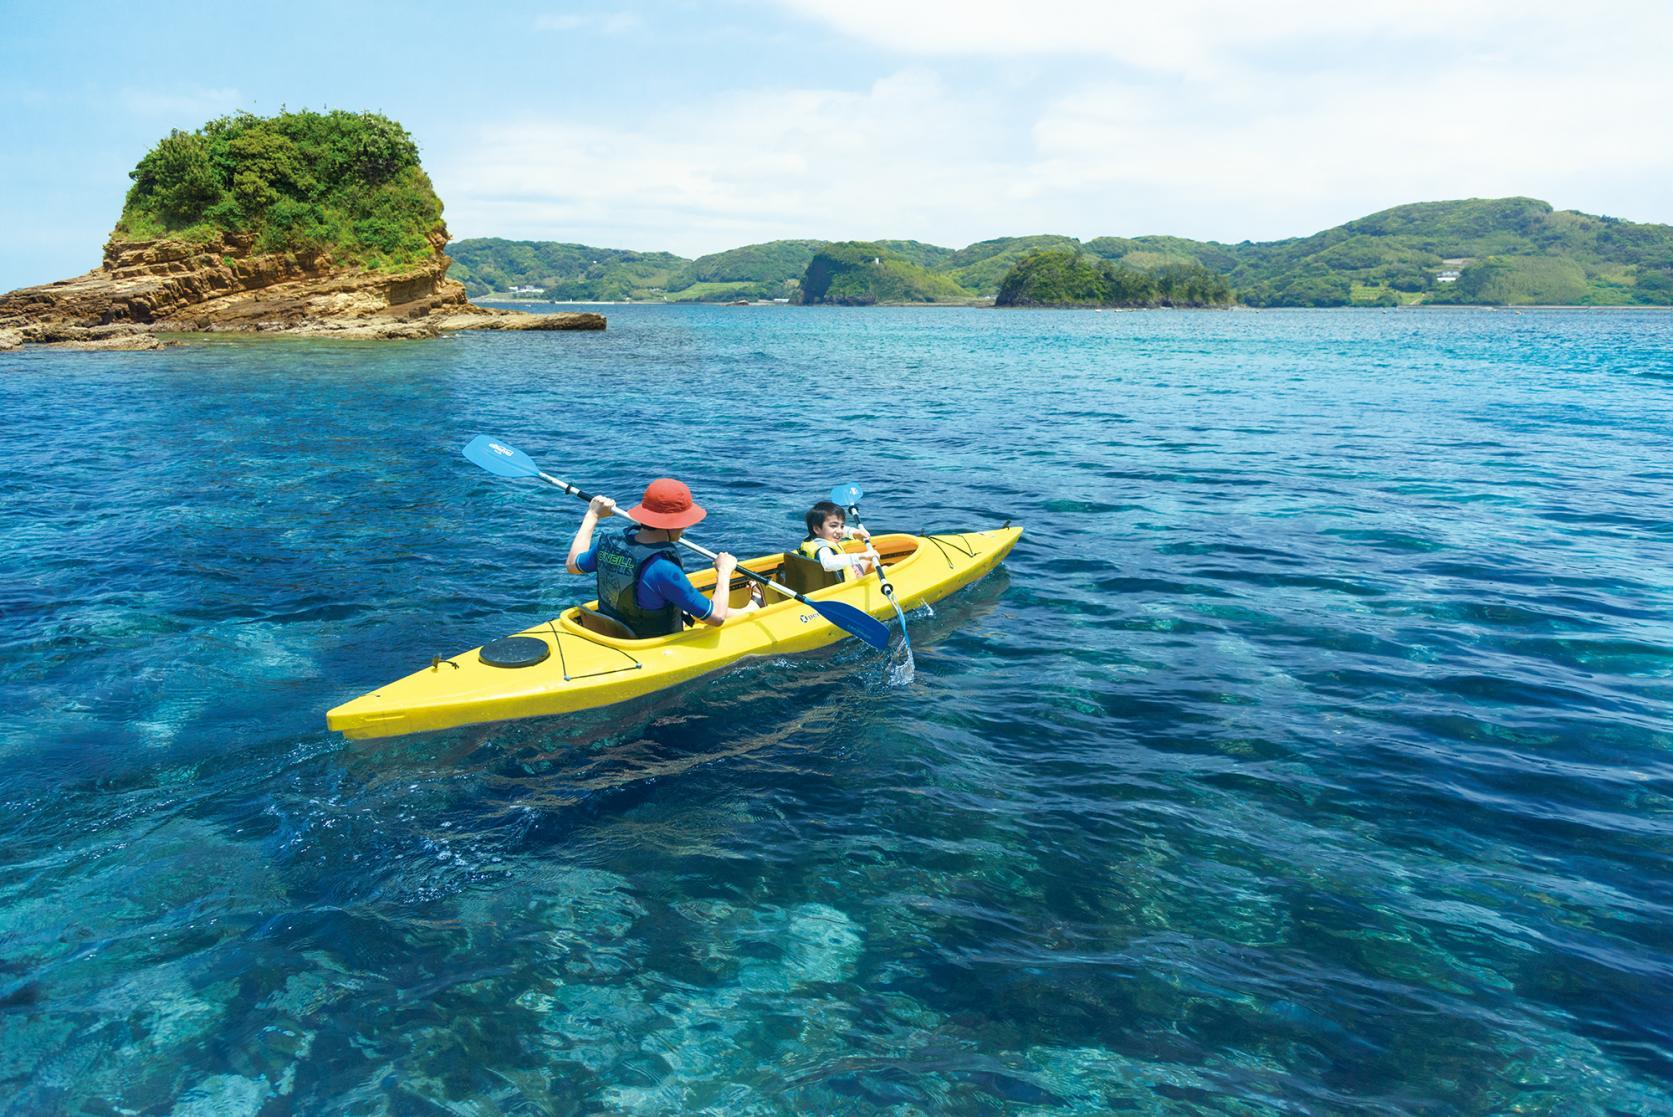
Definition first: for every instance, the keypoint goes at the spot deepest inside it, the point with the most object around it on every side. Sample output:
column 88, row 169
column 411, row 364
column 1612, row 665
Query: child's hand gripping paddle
column 848, row 496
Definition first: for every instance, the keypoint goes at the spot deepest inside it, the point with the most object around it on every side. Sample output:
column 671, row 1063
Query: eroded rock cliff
column 144, row 288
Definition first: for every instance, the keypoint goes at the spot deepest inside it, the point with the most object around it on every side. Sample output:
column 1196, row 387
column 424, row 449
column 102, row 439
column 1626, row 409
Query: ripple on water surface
column 1309, row 754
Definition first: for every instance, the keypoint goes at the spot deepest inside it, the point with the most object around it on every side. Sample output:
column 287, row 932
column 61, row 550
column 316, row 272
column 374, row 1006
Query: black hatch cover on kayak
column 515, row 651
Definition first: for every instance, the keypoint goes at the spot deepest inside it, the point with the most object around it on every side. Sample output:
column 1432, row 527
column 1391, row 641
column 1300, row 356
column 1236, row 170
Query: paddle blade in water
column 903, row 666
column 847, row 617
column 498, row 458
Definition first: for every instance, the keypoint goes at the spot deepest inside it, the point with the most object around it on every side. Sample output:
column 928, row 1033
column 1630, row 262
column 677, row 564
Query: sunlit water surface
column 1311, row 753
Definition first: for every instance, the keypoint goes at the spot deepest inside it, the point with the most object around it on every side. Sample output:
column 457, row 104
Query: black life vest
column 622, row 560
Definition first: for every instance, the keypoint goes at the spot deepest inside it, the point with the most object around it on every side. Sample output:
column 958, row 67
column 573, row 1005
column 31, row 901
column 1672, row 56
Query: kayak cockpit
column 588, row 621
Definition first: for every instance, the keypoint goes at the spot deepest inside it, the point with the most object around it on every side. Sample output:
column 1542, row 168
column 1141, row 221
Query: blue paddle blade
column 863, row 625
column 498, row 458
column 847, row 495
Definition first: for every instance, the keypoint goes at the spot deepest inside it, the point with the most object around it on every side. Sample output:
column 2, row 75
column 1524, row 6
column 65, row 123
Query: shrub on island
column 344, row 184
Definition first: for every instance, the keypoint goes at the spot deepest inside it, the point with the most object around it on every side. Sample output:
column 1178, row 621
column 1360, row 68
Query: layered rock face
column 144, row 288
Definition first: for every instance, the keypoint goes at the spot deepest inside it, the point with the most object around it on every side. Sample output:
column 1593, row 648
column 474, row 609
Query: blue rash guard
column 662, row 583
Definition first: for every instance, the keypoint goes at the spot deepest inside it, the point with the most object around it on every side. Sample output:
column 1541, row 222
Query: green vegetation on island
column 1522, row 281
column 348, row 188
column 756, row 271
column 562, row 272
column 575, row 272
column 1430, row 252
column 864, row 273
column 343, row 184
column 924, row 255
column 1497, row 251
column 1070, row 277
column 982, row 267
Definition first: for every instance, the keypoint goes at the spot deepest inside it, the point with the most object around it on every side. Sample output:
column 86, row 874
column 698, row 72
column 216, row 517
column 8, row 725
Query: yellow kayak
column 583, row 666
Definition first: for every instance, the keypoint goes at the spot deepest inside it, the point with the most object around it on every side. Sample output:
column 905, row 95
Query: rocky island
column 314, row 224
column 1069, row 277
column 867, row 273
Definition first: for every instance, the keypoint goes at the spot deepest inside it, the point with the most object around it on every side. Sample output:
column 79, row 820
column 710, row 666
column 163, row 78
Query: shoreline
column 1406, row 308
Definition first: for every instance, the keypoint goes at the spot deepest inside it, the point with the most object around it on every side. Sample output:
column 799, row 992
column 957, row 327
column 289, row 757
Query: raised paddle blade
column 498, row 458
column 847, row 495
column 850, row 619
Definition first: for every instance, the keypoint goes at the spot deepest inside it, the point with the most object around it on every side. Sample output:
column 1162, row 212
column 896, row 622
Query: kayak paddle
column 507, row 461
column 848, row 496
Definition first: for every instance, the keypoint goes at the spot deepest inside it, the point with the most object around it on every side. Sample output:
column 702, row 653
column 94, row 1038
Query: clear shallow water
column 1311, row 753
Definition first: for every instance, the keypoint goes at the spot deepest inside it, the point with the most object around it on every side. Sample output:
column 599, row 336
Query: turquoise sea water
column 1312, row 753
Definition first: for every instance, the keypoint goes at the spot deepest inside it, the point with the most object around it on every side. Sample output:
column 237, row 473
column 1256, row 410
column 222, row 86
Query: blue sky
column 695, row 127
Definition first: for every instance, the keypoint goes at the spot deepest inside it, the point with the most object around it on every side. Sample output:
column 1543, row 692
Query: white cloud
column 1204, row 37
column 1468, row 133
column 901, row 154
column 1567, row 108
column 1202, row 119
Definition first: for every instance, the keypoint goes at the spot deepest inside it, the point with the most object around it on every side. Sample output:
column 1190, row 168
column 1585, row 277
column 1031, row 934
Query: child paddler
column 827, row 530
column 641, row 583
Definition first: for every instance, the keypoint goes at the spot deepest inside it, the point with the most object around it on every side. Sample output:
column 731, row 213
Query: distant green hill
column 924, row 255
column 1474, row 251
column 1150, row 251
column 982, row 266
column 862, row 273
column 1520, row 281
column 1430, row 252
column 563, row 271
column 756, row 271
column 1070, row 277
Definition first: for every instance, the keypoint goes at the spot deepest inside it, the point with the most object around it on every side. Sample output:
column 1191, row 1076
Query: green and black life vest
column 812, row 548
column 622, row 559
column 802, row 570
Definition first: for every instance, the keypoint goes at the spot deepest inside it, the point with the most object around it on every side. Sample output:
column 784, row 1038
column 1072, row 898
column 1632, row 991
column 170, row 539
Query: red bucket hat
column 667, row 504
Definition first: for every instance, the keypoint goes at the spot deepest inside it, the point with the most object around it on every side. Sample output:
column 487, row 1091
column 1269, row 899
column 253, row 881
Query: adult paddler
column 640, row 580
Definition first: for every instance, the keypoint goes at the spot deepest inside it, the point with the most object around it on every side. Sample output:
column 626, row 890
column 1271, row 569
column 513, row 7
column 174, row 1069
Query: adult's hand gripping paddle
column 503, row 460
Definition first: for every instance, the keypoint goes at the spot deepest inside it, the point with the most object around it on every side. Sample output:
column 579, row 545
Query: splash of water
column 902, row 667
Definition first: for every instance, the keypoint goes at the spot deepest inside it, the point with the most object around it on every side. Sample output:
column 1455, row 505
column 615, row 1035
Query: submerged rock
column 56, row 335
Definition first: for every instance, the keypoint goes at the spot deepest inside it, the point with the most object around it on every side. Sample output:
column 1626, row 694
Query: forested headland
column 1498, row 251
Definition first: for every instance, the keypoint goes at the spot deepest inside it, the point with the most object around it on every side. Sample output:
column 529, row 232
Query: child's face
column 831, row 529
